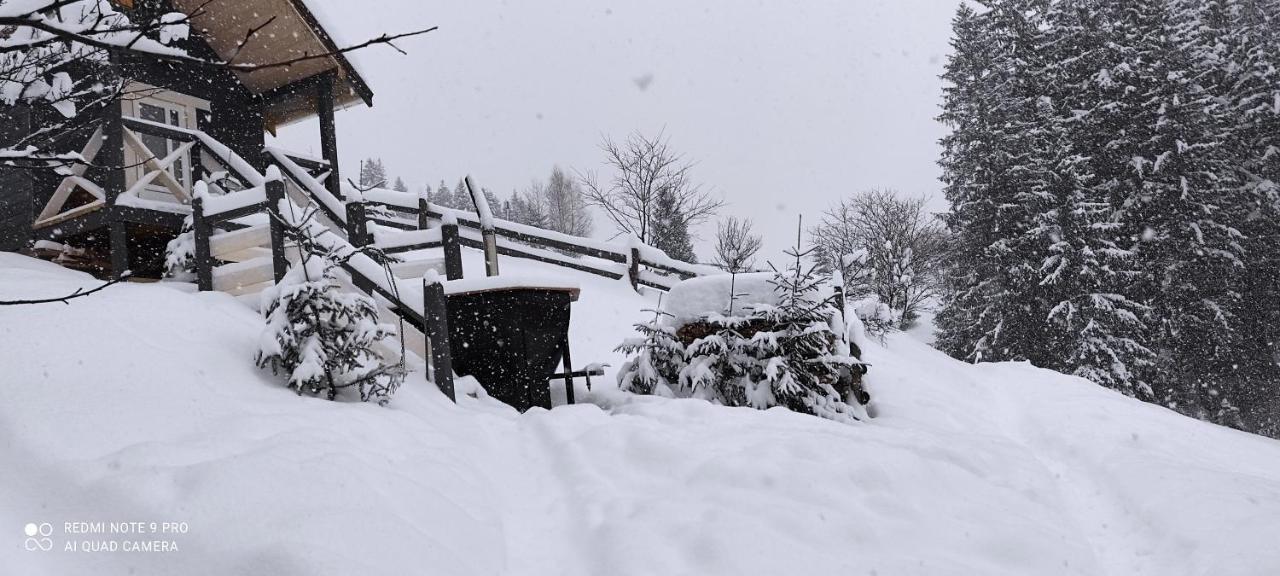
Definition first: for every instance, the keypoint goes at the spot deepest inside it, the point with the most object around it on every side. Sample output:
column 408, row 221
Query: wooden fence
column 642, row 265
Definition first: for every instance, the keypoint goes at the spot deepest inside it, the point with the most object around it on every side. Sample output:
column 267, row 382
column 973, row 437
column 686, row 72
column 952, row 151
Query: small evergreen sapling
column 323, row 336
column 800, row 358
column 786, row 354
column 659, row 362
column 180, row 254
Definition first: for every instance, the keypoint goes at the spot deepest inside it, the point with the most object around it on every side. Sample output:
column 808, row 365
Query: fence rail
column 642, row 265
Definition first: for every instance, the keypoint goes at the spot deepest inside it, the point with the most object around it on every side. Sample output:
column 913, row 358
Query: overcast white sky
column 786, row 107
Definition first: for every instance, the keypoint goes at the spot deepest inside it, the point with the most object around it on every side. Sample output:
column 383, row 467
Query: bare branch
column 79, row 293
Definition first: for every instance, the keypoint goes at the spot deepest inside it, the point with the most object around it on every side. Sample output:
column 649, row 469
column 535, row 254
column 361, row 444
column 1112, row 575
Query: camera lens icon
column 38, row 537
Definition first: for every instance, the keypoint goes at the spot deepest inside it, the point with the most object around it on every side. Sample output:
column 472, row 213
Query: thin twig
column 79, row 293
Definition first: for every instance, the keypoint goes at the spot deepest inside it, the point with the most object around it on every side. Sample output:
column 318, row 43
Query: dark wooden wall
column 16, row 203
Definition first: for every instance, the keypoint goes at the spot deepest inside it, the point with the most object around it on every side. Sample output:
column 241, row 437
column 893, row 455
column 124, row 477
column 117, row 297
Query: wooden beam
column 328, row 132
column 436, row 323
column 160, row 165
column 87, row 223
column 111, row 157
column 69, row 214
column 202, row 231
column 135, row 215
column 275, row 197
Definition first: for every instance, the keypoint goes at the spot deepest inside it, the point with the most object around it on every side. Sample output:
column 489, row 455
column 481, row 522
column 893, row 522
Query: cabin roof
column 289, row 30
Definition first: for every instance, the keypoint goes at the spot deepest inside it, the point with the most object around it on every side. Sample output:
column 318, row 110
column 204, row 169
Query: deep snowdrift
column 142, row 404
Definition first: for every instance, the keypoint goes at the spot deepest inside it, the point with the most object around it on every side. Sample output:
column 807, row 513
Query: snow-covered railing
column 208, row 211
column 309, row 182
column 642, row 264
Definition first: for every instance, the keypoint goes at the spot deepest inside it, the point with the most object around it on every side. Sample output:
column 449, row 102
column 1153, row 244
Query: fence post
column 490, row 252
column 487, row 233
column 201, row 230
column 633, row 268
column 275, row 195
column 435, row 320
column 424, row 209
column 357, row 225
column 452, row 250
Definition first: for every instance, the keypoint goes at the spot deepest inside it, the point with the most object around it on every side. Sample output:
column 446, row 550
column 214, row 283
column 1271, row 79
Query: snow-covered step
column 392, row 240
column 418, row 268
column 239, row 275
column 226, row 243
column 290, row 254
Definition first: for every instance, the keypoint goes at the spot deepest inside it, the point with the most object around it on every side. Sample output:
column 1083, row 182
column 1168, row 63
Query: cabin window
column 171, row 109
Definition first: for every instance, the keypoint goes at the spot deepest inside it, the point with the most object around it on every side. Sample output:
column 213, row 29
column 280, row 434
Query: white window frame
column 138, row 93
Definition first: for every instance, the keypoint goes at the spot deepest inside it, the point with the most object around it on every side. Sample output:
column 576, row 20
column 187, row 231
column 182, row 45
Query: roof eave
column 353, row 76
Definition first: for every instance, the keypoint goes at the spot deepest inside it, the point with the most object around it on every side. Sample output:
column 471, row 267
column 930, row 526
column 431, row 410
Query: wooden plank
column 160, row 130
column 392, row 223
column 70, row 214
column 87, row 223
column 239, row 274
column 138, row 215
column 683, row 274
column 160, row 167
column 239, row 240
column 69, row 184
column 240, row 212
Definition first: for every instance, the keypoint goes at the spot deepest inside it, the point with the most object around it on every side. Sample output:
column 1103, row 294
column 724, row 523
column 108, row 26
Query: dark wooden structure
column 147, row 145
column 511, row 340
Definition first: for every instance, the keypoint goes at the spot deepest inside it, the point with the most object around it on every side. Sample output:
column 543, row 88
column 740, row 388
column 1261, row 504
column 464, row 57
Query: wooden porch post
column 328, row 132
column 275, row 195
column 111, row 157
column 201, row 231
column 436, row 325
column 449, row 240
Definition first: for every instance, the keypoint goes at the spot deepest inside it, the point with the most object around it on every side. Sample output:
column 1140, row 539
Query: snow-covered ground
column 141, row 404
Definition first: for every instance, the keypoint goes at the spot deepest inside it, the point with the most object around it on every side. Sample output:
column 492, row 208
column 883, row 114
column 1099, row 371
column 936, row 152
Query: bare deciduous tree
column 641, row 169
column 563, row 203
column 736, row 245
column 884, row 245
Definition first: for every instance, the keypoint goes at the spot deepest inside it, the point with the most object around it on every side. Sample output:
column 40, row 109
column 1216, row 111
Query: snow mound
column 699, row 297
column 141, row 404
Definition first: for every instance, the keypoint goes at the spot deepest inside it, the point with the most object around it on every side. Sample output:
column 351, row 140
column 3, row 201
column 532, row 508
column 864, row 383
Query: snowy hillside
column 141, row 404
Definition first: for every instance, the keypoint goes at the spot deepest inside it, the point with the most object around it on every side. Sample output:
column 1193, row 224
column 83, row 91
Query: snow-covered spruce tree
column 180, row 254
column 670, row 227
column 1238, row 59
column 992, row 309
column 797, row 356
column 1181, row 203
column 1094, row 329
column 790, row 351
column 321, row 335
column 659, row 360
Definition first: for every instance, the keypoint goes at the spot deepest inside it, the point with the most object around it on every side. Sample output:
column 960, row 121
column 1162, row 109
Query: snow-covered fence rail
column 643, row 265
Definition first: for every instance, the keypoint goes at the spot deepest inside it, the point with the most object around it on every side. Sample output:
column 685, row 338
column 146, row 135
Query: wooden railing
column 208, row 212
column 642, row 265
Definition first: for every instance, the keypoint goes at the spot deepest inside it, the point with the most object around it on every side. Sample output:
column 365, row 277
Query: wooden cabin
column 175, row 125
